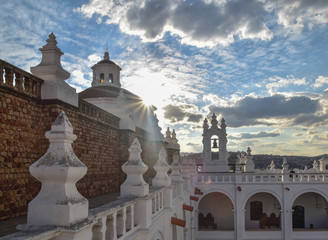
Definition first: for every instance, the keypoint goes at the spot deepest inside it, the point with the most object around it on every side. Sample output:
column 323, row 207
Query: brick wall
column 24, row 120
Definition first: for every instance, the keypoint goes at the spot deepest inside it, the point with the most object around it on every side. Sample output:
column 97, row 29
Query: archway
column 310, row 212
column 262, row 212
column 215, row 147
column 215, row 212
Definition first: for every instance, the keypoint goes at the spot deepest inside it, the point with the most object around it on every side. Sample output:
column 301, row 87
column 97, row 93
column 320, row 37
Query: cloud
column 193, row 144
column 320, row 81
column 203, row 22
column 179, row 113
column 296, row 15
column 267, row 111
column 259, row 135
column 278, row 82
column 198, row 23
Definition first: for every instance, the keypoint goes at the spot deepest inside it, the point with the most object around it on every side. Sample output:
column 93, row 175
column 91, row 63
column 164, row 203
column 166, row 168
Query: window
column 101, row 77
column 110, row 78
column 256, row 210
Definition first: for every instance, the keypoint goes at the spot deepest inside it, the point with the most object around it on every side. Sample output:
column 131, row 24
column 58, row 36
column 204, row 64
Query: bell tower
column 215, row 137
column 106, row 73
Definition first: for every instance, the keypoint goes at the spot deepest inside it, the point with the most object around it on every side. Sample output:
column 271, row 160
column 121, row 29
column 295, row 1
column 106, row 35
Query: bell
column 215, row 144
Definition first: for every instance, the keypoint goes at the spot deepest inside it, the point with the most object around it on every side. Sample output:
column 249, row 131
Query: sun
column 147, row 101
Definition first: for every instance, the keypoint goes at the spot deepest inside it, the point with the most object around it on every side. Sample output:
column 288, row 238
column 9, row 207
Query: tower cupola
column 106, row 73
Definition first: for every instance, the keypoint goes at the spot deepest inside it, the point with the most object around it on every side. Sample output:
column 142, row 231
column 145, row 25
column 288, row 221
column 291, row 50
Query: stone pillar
column 134, row 168
column 53, row 74
column 58, row 203
column 161, row 167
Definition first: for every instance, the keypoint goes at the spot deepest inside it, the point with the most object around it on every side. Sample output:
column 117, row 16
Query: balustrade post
column 1, row 74
column 27, row 85
column 99, row 229
column 9, row 77
column 111, row 233
column 18, row 82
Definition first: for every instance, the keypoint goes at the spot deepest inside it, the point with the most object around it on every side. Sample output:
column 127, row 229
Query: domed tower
column 106, row 73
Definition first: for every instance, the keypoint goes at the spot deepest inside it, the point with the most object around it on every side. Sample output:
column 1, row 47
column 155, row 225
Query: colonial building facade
column 105, row 140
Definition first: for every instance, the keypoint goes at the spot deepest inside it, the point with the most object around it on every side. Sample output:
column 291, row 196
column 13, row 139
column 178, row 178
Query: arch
column 158, row 236
column 102, row 77
column 266, row 211
column 249, row 195
column 310, row 211
column 110, row 78
column 215, row 211
column 296, row 195
column 215, row 143
column 218, row 191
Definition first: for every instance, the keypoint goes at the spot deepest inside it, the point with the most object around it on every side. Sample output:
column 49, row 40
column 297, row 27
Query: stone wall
column 24, row 120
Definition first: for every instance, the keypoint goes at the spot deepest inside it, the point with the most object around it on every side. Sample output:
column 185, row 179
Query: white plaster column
column 161, row 167
column 239, row 213
column 53, row 74
column 134, row 168
column 58, row 203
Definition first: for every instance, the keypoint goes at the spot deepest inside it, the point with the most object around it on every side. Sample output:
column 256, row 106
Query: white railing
column 262, row 177
column 113, row 222
column 215, row 178
column 310, row 177
column 157, row 199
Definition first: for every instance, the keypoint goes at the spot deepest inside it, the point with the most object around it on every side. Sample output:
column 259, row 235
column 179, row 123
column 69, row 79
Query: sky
column 262, row 65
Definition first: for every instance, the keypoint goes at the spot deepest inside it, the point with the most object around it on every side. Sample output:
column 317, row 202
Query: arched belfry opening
column 215, row 152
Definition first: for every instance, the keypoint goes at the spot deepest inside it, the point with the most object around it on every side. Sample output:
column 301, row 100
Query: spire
column 214, row 122
column 284, row 165
column 174, row 137
column 106, row 55
column 249, row 151
column 168, row 135
column 223, row 125
column 272, row 166
column 205, row 125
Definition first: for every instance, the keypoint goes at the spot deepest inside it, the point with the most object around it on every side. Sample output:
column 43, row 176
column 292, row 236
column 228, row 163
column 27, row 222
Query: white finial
column 272, row 166
column 58, row 203
column 134, row 168
column 161, row 167
column 214, row 121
